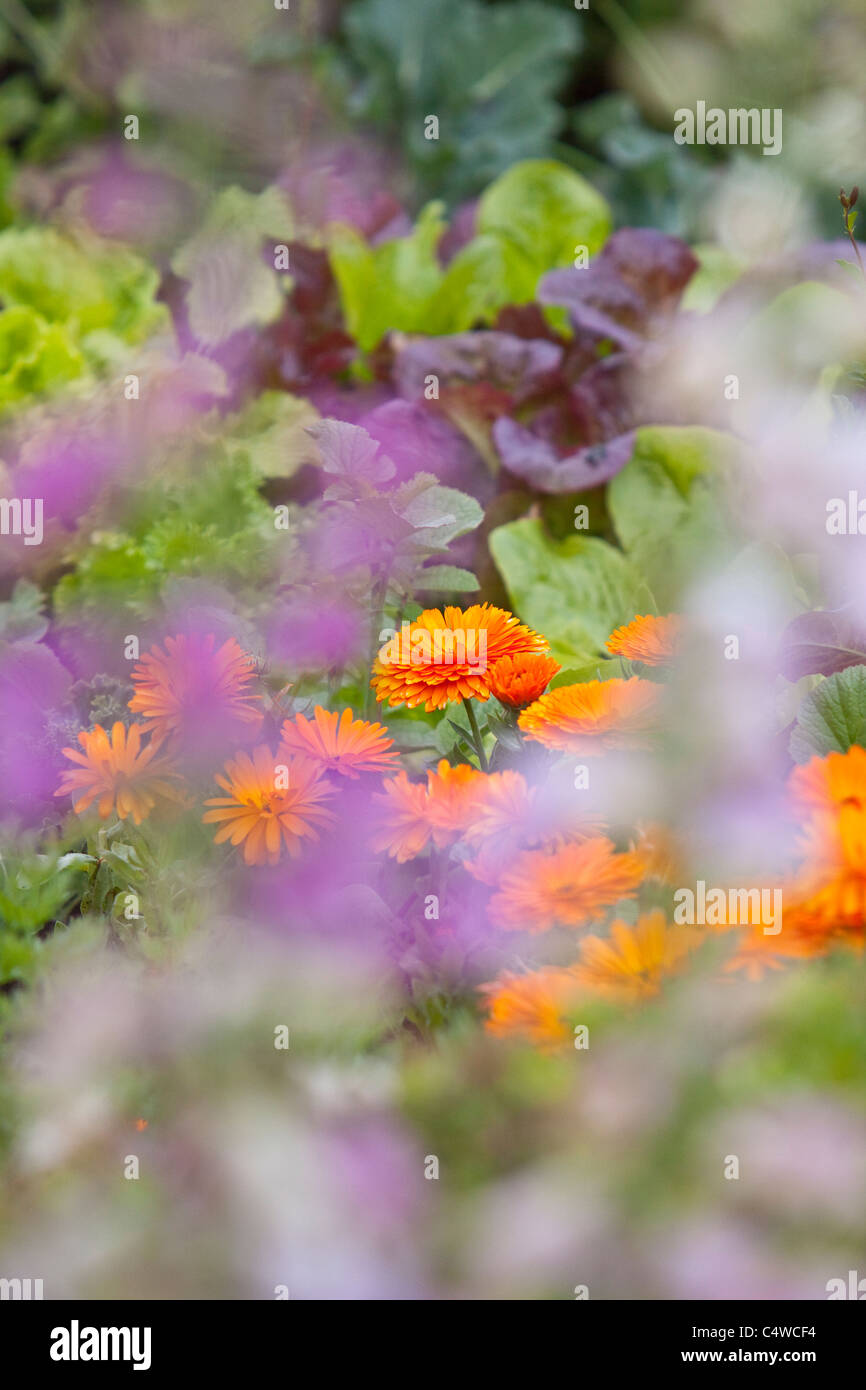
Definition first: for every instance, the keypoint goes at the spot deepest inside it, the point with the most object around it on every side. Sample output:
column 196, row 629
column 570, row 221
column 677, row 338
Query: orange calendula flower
column 831, row 886
column 273, row 801
column 594, row 716
column 402, row 823
column 633, row 961
column 339, row 742
column 518, row 680
column 530, row 1006
column 826, row 784
column 442, row 657
column 757, row 953
column 565, row 887
column 500, row 825
column 192, row 681
column 511, row 816
column 650, row 640
column 452, row 798
column 120, row 772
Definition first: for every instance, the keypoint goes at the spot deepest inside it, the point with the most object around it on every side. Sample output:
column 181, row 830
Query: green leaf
column 22, row 617
column 231, row 284
column 438, row 514
column 666, row 505
column 270, row 435
column 832, row 717
column 88, row 284
column 36, row 357
column 718, row 269
column 574, row 591
column 388, row 286
column 448, row 578
column 489, row 73
column 545, row 210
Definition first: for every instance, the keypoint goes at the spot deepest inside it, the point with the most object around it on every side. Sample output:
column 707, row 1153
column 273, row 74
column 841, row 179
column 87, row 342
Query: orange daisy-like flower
column 339, row 742
column 826, row 784
column 402, row 822
column 594, row 716
column 634, row 961
column 118, row 771
column 273, row 801
column 518, row 680
column 650, row 640
column 511, row 816
column 191, row 681
column 530, row 1006
column 452, row 797
column 566, row 887
column 442, row 657
column 500, row 824
column 756, row 953
column 831, row 887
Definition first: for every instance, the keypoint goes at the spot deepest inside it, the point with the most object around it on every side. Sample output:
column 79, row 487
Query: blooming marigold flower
column 500, row 826
column 442, row 657
column 650, row 640
column 831, row 885
column 565, row 887
column 453, row 795
column 191, row 681
column 530, row 1006
column 634, row 961
column 273, row 801
column 339, row 742
column 826, row 784
column 511, row 816
column 594, row 716
column 118, row 771
column 518, row 680
column 403, row 826
column 756, row 953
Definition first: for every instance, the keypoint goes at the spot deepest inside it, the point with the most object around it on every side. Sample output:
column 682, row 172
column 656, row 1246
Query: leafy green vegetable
column 388, row 286
column 666, row 504
column 574, row 591
column 231, row 284
column 529, row 221
column 21, row 617
column 545, row 210
column 70, row 307
column 489, row 75
column 832, row 717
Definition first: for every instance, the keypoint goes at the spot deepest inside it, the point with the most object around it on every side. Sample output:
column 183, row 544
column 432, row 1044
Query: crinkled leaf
column 231, row 285
column 490, row 73
column 389, row 286
column 832, row 717
column 666, row 504
column 518, row 366
column 535, row 460
column 635, row 282
column 349, row 452
column 546, row 210
column 574, row 591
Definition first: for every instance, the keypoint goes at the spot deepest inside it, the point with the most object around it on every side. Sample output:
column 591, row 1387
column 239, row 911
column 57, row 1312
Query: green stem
column 476, row 734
